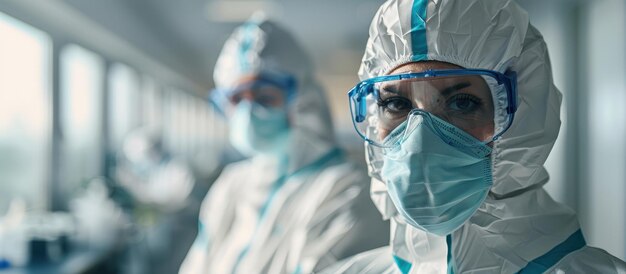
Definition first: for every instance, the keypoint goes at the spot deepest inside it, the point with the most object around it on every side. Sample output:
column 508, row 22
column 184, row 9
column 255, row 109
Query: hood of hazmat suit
column 295, row 213
column 518, row 227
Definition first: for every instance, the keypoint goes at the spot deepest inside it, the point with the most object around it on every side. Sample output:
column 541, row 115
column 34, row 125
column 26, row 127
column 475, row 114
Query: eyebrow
column 453, row 88
column 445, row 92
column 388, row 89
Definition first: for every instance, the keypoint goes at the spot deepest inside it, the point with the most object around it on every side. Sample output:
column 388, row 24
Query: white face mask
column 255, row 129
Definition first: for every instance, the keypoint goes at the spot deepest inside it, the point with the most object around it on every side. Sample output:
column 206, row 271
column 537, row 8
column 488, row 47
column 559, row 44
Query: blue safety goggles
column 267, row 90
column 470, row 99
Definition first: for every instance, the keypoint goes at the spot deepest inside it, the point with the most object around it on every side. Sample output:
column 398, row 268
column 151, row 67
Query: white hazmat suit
column 260, row 218
column 519, row 227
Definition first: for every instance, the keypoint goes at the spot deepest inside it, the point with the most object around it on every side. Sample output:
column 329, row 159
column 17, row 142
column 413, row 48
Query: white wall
column 603, row 133
column 556, row 20
column 586, row 41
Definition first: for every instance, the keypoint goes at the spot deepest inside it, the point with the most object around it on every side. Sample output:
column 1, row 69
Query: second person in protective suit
column 296, row 204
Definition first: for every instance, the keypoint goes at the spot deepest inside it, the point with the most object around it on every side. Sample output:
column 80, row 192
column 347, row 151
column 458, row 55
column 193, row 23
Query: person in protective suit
column 459, row 112
column 296, row 204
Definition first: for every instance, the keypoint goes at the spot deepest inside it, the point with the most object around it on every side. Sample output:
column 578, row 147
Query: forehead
column 437, row 82
column 423, row 66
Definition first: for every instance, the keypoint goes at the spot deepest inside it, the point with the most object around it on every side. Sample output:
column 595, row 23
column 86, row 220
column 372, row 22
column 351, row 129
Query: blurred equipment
column 85, row 241
column 162, row 208
column 33, row 238
column 151, row 174
column 13, row 238
column 100, row 222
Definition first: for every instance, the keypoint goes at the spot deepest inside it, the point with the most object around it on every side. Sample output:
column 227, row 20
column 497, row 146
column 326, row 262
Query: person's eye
column 235, row 99
column 464, row 103
column 395, row 105
column 264, row 101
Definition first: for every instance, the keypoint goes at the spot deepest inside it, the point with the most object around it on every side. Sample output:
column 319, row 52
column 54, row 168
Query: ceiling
column 187, row 35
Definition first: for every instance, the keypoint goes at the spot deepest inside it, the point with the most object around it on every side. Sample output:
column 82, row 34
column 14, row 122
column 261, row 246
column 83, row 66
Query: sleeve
column 346, row 223
column 589, row 260
column 215, row 214
column 374, row 261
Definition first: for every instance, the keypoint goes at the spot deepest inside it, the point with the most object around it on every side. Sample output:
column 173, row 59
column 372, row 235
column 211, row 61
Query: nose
column 242, row 95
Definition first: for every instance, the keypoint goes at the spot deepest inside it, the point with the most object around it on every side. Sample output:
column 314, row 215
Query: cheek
column 382, row 133
column 280, row 101
column 482, row 133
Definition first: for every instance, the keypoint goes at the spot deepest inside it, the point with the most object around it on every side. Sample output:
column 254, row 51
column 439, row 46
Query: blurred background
column 95, row 96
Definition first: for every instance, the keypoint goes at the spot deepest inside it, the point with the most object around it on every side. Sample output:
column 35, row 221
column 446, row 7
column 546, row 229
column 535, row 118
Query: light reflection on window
column 25, row 113
column 124, row 103
column 151, row 104
column 81, row 98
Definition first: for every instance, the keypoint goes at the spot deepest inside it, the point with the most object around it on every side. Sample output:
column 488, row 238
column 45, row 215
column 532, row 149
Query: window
column 174, row 117
column 189, row 129
column 25, row 113
column 81, row 116
column 152, row 110
column 124, row 103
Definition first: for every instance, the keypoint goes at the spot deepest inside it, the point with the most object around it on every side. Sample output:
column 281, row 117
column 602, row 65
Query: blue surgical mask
column 255, row 129
column 438, row 175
